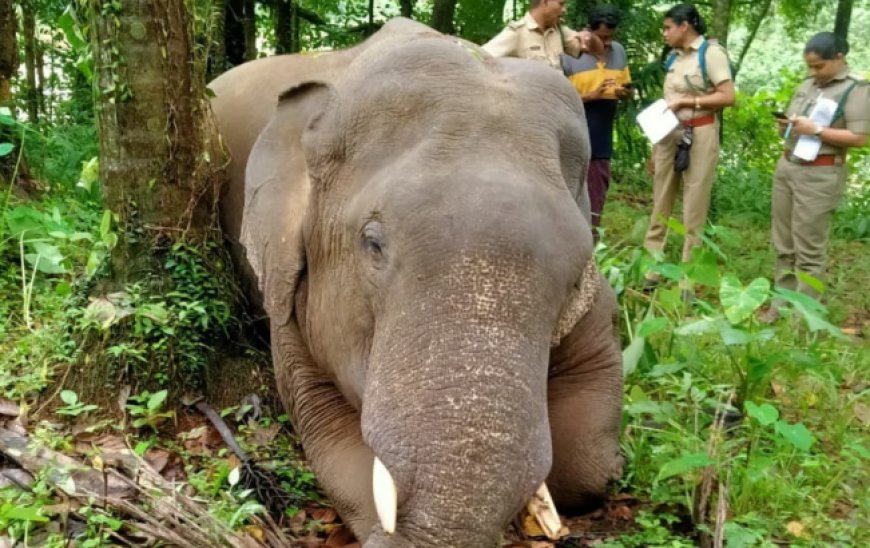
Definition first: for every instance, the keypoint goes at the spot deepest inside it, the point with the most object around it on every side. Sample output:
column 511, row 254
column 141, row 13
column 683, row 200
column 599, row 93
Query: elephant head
column 414, row 220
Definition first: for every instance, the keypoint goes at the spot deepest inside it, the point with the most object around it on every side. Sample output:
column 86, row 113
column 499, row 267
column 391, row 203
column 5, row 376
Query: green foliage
column 73, row 407
column 147, row 409
column 713, row 395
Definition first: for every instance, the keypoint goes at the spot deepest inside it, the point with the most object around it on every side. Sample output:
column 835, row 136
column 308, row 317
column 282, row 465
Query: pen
column 788, row 129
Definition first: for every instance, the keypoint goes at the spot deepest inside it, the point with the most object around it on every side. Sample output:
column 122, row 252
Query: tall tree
column 28, row 27
column 153, row 171
column 250, row 25
column 442, row 15
column 284, row 21
column 721, row 20
column 8, row 50
column 234, row 32
column 844, row 17
column 406, row 8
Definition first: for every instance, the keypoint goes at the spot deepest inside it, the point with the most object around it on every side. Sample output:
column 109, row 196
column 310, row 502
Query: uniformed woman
column 806, row 193
column 698, row 85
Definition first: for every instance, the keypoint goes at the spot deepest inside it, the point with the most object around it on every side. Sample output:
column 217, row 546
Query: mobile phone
column 779, row 114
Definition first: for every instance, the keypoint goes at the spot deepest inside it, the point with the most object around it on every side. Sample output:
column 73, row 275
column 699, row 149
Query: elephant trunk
column 456, row 409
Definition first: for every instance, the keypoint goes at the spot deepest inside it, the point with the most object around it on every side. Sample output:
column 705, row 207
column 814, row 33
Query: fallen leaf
column 255, row 531
column 778, row 389
column 309, row 542
column 326, row 515
column 340, row 537
column 862, row 413
column 796, row 528
column 262, row 437
column 620, row 512
column 158, row 458
column 298, row 520
column 201, row 439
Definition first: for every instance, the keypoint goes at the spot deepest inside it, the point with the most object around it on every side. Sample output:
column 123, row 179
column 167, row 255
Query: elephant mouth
column 385, row 493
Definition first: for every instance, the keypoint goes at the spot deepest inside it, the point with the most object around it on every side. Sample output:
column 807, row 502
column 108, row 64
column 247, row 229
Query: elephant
column 412, row 215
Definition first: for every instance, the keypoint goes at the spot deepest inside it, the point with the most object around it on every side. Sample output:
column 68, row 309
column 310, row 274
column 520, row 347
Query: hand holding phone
column 779, row 115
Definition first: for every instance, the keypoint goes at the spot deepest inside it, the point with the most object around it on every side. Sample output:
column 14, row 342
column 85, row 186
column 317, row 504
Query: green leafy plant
column 73, row 407
column 147, row 409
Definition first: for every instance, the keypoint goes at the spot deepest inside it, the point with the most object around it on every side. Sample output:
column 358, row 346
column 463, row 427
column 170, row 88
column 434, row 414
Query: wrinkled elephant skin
column 412, row 216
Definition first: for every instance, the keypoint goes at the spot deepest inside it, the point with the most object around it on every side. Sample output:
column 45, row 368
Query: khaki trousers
column 697, row 182
column 804, row 200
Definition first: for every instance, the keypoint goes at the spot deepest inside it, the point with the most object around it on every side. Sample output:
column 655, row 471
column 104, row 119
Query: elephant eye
column 372, row 239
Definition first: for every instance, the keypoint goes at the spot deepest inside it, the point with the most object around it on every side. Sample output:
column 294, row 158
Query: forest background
column 114, row 310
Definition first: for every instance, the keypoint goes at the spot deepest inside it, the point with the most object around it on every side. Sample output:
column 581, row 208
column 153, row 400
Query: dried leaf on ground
column 167, row 463
column 796, row 528
column 309, row 542
column 862, row 413
column 325, row 515
column 201, row 439
column 263, row 436
column 619, row 512
column 298, row 520
column 340, row 537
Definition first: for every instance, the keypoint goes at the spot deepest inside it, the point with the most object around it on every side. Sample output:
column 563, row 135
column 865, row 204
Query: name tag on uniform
column 534, row 48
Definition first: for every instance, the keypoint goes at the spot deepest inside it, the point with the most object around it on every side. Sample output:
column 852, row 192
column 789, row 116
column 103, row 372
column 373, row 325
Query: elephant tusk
column 386, row 499
column 542, row 508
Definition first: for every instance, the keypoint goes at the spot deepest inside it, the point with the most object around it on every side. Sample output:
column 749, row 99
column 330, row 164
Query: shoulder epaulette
column 858, row 81
column 516, row 24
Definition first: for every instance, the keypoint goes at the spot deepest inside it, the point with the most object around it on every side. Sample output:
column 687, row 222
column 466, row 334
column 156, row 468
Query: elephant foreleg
column 329, row 428
column 585, row 405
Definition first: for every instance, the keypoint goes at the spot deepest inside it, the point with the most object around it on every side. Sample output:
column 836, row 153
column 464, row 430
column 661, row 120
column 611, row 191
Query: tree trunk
column 284, row 26
column 250, row 24
column 28, row 24
column 151, row 127
column 721, row 20
column 844, row 17
column 234, row 32
column 371, row 15
column 159, row 175
column 8, row 50
column 442, row 15
column 407, row 8
column 40, row 80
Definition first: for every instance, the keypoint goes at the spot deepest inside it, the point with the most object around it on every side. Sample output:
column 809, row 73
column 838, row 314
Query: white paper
column 657, row 121
column 808, row 146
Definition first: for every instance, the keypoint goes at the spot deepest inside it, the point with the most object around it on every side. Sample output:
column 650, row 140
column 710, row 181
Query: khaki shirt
column 684, row 79
column 856, row 110
column 527, row 40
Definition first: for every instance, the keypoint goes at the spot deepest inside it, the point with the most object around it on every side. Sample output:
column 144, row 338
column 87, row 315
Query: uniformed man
column 698, row 85
column 805, row 194
column 538, row 35
column 601, row 79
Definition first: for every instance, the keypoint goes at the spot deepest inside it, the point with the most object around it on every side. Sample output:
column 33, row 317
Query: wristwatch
column 818, row 131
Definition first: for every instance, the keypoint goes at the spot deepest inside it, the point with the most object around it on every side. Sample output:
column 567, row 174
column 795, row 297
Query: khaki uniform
column 805, row 196
column 685, row 80
column 527, row 40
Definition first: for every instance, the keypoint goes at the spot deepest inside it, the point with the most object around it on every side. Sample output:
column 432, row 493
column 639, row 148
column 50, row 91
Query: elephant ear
column 277, row 192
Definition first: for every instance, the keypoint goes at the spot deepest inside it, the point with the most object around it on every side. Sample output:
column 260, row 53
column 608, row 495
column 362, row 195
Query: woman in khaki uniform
column 696, row 96
column 806, row 193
